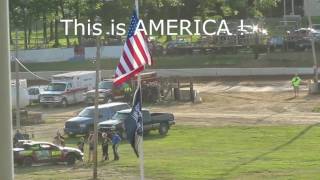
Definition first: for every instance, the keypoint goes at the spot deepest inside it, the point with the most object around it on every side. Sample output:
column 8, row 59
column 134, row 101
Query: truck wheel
column 64, row 103
column 27, row 162
column 163, row 129
column 71, row 159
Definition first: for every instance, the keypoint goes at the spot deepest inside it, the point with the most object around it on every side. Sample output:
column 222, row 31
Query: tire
column 71, row 159
column 64, row 103
column 163, row 129
column 27, row 162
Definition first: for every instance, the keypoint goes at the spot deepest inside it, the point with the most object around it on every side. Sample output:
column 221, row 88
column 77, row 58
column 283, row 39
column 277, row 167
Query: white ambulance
column 68, row 88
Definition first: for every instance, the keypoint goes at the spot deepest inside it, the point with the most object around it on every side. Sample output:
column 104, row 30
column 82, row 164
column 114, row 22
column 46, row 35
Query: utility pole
column 315, row 62
column 141, row 152
column 285, row 12
column 292, row 7
column 96, row 108
column 17, row 84
column 6, row 155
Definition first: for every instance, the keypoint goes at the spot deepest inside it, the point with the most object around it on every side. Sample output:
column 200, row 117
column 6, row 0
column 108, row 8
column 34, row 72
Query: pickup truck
column 151, row 121
column 83, row 123
column 107, row 92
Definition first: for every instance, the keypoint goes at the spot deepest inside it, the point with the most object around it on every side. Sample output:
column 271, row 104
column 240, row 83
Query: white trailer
column 68, row 88
column 23, row 94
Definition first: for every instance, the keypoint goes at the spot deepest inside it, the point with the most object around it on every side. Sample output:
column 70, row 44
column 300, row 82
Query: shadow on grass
column 45, row 166
column 61, row 166
column 148, row 137
column 153, row 136
column 277, row 148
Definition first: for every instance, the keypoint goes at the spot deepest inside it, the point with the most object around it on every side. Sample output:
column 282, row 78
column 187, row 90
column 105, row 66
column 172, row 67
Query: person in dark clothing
column 115, row 145
column 59, row 139
column 106, row 139
column 17, row 136
column 81, row 144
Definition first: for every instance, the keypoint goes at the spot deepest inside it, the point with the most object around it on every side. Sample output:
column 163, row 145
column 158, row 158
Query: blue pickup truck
column 83, row 123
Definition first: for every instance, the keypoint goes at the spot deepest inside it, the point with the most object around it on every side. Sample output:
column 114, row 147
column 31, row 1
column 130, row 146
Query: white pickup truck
column 68, row 88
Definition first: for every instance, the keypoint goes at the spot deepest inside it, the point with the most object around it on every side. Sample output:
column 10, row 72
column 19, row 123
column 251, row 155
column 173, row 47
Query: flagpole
column 141, row 153
column 96, row 107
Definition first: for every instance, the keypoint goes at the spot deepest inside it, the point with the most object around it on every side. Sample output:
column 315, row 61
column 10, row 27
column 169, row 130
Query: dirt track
column 249, row 103
column 248, row 109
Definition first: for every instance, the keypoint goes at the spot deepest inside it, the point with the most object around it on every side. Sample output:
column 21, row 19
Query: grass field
column 266, row 152
column 278, row 59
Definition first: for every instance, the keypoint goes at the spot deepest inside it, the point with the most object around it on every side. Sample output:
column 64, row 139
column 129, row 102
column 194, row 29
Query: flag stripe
column 137, row 51
column 129, row 55
column 125, row 57
column 124, row 65
column 133, row 53
column 141, row 48
column 145, row 47
column 121, row 69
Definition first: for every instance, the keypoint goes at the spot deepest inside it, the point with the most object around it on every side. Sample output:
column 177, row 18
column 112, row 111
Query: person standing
column 81, row 144
column 127, row 92
column 115, row 145
column 106, row 139
column 17, row 136
column 295, row 82
column 91, row 145
column 59, row 139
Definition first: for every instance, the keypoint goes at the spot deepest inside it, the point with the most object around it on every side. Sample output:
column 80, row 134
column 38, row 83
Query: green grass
column 273, row 152
column 278, row 59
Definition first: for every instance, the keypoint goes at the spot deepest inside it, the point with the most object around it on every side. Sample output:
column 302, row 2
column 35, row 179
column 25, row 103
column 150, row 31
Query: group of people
column 108, row 138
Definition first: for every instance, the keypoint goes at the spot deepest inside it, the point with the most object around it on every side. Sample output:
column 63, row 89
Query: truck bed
column 158, row 117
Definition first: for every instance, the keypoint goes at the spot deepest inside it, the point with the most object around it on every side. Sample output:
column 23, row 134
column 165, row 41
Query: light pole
column 96, row 107
column 6, row 155
column 315, row 62
column 292, row 7
column 285, row 11
column 18, row 119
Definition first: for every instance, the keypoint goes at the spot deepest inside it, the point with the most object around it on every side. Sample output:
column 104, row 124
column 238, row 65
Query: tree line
column 24, row 14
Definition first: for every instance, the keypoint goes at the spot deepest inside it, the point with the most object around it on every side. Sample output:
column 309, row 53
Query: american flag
column 135, row 53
